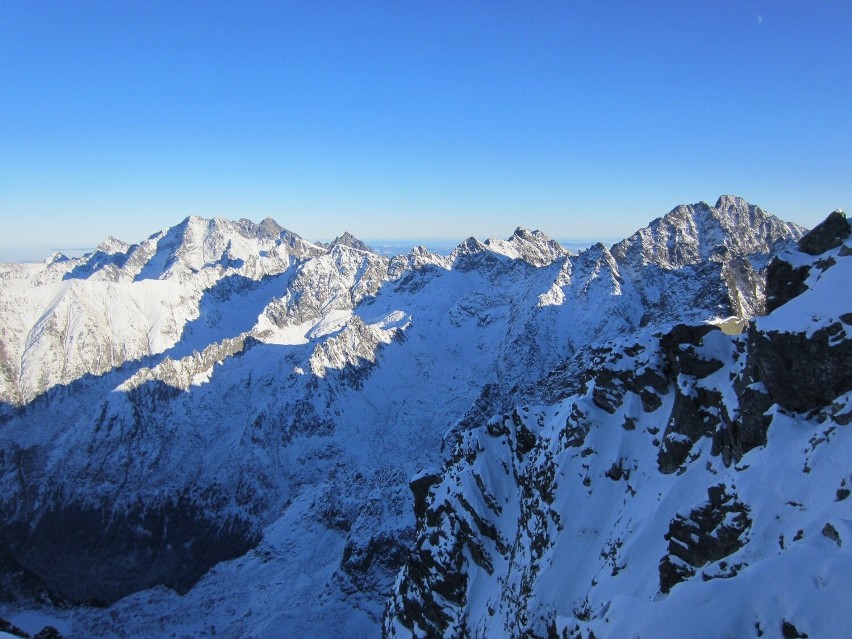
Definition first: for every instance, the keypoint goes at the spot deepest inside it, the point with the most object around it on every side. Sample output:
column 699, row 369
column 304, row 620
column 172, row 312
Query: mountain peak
column 56, row 257
column 524, row 233
column 349, row 240
column 533, row 247
column 271, row 228
column 691, row 233
column 469, row 246
column 730, row 201
column 191, row 220
column 112, row 245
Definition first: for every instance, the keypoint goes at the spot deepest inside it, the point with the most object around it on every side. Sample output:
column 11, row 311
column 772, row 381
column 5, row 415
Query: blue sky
column 416, row 119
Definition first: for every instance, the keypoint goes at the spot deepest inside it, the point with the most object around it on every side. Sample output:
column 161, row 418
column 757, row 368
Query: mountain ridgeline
column 219, row 426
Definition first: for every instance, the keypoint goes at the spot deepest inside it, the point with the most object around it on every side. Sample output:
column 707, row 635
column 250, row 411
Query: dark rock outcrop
column 827, row 235
column 376, row 561
column 784, row 282
column 420, row 485
column 708, row 533
column 695, row 414
column 734, row 438
column 678, row 347
column 789, row 631
column 803, row 372
column 611, row 384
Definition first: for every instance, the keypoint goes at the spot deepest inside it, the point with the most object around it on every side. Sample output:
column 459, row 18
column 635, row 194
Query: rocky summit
column 229, row 430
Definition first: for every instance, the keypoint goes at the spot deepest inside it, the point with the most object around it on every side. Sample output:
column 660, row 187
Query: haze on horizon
column 403, row 120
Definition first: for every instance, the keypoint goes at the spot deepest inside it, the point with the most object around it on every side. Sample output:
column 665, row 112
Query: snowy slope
column 229, row 412
column 695, row 484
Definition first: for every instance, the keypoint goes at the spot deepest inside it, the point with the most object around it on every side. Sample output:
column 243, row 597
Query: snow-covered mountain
column 692, row 483
column 217, row 426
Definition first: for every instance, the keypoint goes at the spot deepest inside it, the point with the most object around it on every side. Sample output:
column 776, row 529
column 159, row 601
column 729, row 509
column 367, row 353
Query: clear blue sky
column 416, row 119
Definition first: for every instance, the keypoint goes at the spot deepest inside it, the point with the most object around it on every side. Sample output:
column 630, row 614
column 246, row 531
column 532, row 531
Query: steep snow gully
column 228, row 430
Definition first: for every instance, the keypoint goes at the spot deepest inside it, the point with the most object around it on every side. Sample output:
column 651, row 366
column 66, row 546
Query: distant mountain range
column 214, row 431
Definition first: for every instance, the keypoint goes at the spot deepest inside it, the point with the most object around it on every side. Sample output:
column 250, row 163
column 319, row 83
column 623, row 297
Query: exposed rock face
column 784, row 280
column 695, row 412
column 804, row 372
column 693, row 354
column 420, row 485
column 827, row 235
column 708, row 533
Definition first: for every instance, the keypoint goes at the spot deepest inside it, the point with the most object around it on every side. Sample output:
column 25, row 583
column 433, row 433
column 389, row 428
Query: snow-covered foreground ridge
column 234, row 413
column 687, row 483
